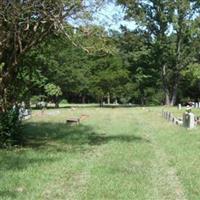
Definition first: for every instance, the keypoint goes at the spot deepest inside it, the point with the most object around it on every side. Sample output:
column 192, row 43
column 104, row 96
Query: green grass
column 120, row 153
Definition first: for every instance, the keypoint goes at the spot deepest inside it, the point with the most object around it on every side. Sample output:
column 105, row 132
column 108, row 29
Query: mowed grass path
column 121, row 153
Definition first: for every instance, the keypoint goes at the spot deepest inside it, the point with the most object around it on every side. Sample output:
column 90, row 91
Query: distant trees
column 109, row 77
column 190, row 84
column 82, row 76
column 171, row 27
column 53, row 91
column 130, row 74
column 138, row 58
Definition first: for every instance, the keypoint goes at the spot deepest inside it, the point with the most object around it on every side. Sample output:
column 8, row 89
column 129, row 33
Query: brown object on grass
column 73, row 121
column 76, row 120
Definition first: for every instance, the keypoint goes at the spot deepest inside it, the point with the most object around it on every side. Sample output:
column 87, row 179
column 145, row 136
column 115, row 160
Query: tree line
column 131, row 74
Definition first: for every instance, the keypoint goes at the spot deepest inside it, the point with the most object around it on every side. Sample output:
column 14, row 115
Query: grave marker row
column 193, row 105
column 171, row 118
column 188, row 120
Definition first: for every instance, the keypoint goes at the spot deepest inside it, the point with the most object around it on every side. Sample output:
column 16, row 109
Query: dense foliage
column 10, row 127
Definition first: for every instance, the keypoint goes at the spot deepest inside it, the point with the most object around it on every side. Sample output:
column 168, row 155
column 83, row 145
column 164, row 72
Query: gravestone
column 116, row 102
column 24, row 113
column 169, row 116
column 188, row 119
column 191, row 121
column 196, row 105
column 193, row 104
column 198, row 120
column 163, row 114
column 173, row 119
column 179, row 106
column 166, row 115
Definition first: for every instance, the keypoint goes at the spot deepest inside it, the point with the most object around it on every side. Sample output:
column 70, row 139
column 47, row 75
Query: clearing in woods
column 121, row 153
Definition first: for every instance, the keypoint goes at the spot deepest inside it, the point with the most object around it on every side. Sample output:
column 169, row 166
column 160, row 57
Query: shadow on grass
column 22, row 159
column 42, row 134
column 44, row 142
column 8, row 195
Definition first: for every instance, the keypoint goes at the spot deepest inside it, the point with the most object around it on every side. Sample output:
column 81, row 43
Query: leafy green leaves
column 53, row 90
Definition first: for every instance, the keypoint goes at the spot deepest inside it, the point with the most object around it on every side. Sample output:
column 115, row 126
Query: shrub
column 10, row 127
column 125, row 100
column 64, row 101
column 37, row 99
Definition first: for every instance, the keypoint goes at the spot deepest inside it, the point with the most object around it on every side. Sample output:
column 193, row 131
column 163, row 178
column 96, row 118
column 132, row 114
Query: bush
column 10, row 127
column 64, row 101
column 125, row 100
column 36, row 99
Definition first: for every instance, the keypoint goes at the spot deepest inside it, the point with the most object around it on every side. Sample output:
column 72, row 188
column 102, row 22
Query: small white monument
column 179, row 106
column 188, row 119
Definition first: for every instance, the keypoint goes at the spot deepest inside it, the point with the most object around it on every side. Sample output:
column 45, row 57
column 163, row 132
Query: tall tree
column 24, row 24
column 171, row 26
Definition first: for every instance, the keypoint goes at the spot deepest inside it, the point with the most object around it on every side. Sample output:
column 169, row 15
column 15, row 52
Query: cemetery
column 99, row 100
column 90, row 155
column 188, row 119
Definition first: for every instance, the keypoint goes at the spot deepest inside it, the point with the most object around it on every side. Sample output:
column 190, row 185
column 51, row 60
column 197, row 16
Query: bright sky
column 111, row 16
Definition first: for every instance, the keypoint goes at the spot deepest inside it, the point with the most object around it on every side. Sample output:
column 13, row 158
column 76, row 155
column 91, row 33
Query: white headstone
column 188, row 120
column 191, row 121
column 179, row 106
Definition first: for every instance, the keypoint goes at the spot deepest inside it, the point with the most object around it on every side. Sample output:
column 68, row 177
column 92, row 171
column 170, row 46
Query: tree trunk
column 174, row 92
column 83, row 99
column 167, row 97
column 165, row 86
column 173, row 99
column 6, row 100
column 8, row 76
column 142, row 101
column 56, row 104
column 101, row 101
column 108, row 98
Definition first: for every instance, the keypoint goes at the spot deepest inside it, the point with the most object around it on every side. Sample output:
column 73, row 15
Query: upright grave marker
column 179, row 106
column 188, row 119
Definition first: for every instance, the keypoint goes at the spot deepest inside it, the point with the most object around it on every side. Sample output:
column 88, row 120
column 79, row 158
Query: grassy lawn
column 120, row 153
